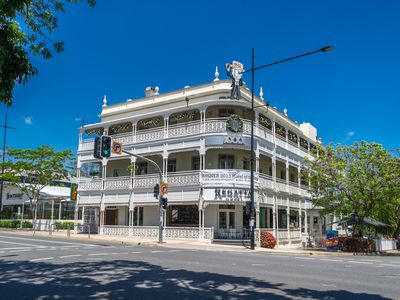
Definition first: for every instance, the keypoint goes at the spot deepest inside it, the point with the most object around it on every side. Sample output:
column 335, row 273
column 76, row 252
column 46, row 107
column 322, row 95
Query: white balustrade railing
column 145, row 181
column 281, row 185
column 86, row 145
column 153, row 231
column 189, row 128
column 118, row 183
column 266, row 181
column 183, row 178
column 282, row 234
column 94, row 184
column 124, row 139
column 295, row 234
column 215, row 125
column 150, row 135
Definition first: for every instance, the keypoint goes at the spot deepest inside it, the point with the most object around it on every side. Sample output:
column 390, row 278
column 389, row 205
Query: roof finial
column 105, row 101
column 261, row 93
column 285, row 112
column 216, row 74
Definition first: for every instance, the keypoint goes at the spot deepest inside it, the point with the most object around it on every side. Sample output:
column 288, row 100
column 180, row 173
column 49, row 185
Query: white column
column 287, row 171
column 134, row 125
column 166, row 125
column 52, row 210
column 305, row 219
column 59, row 210
column 165, row 166
column 275, row 217
column 300, row 216
column 288, row 219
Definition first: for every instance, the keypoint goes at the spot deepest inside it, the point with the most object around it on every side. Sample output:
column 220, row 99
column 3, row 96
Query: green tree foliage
column 25, row 27
column 31, row 170
column 361, row 179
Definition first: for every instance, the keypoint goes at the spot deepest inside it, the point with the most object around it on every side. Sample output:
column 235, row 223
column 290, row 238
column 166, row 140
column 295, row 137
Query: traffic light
column 96, row 152
column 156, row 190
column 164, row 203
column 105, row 146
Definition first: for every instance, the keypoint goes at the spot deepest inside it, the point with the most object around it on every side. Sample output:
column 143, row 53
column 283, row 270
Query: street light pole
column 161, row 224
column 252, row 155
column 5, row 126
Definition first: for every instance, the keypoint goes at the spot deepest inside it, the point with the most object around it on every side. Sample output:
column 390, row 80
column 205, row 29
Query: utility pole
column 5, row 126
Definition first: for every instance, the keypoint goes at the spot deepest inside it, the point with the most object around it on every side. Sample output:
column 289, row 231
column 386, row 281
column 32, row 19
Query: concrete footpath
column 176, row 243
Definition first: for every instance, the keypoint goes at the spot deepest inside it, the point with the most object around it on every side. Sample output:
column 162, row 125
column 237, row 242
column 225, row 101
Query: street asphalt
column 54, row 268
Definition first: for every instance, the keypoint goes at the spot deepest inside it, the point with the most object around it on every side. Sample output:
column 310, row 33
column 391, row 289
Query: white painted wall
column 151, row 216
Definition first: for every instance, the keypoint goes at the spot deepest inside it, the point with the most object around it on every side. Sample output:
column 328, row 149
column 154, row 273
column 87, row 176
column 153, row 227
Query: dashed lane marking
column 306, row 258
column 389, row 265
column 72, row 255
column 23, row 250
column 331, row 259
column 46, row 249
column 40, row 259
column 23, row 244
column 360, row 262
column 136, row 252
column 45, row 241
column 174, row 250
column 258, row 264
column 98, row 254
column 155, row 251
column 118, row 253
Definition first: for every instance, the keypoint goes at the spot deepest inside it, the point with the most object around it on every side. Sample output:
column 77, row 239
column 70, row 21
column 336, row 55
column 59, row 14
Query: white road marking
column 72, row 255
column 373, row 260
column 258, row 264
column 23, row 250
column 98, row 254
column 23, row 244
column 93, row 258
column 136, row 252
column 16, row 248
column 47, row 241
column 360, row 262
column 331, row 259
column 156, row 251
column 43, row 258
column 117, row 253
column 389, row 265
column 46, row 249
column 174, row 250
column 307, row 258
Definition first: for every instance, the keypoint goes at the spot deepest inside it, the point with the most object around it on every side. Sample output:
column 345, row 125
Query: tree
column 32, row 170
column 39, row 20
column 359, row 180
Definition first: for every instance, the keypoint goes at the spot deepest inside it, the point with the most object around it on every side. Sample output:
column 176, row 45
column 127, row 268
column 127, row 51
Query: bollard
column 50, row 231
column 89, row 231
column 69, row 232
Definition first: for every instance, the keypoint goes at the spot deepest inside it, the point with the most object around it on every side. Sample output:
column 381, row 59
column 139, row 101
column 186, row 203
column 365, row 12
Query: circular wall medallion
column 234, row 123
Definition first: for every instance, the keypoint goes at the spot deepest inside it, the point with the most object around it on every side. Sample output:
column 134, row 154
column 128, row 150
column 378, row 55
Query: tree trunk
column 396, row 233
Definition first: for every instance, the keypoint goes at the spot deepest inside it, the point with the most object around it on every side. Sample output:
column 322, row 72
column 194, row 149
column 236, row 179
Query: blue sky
column 120, row 47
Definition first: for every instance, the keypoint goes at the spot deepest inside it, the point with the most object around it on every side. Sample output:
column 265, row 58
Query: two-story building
column 200, row 138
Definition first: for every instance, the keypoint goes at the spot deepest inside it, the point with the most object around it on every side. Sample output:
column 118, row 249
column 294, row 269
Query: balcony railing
column 193, row 178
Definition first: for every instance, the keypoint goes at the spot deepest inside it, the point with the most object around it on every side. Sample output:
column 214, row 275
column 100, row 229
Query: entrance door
column 226, row 224
column 111, row 217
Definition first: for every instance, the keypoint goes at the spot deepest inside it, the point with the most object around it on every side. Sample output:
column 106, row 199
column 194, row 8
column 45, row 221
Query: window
column 246, row 164
column 283, row 174
column 184, row 215
column 138, row 216
column 141, row 168
column 226, row 161
column 171, row 166
column 226, row 112
column 116, row 173
column 196, row 163
column 292, row 177
column 282, row 216
column 270, row 171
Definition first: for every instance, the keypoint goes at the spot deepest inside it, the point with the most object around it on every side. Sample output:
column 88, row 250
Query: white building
column 201, row 140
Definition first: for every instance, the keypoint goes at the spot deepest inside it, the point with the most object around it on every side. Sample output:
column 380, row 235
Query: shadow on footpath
column 122, row 279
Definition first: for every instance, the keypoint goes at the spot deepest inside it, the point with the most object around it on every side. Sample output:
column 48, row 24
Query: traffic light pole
column 161, row 226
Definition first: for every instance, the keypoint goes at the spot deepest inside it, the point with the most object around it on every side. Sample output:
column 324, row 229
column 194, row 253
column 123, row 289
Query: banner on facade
column 226, row 194
column 74, row 192
column 228, row 176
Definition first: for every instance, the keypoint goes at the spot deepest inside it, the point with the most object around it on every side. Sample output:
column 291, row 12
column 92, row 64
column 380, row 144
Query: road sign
column 116, row 148
column 163, row 188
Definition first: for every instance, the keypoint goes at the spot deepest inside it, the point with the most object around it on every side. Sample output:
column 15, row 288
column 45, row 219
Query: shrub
column 64, row 225
column 9, row 223
column 356, row 244
column 267, row 239
column 27, row 224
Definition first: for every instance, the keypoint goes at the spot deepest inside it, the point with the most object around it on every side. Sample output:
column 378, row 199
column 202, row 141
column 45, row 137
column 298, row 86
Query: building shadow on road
column 123, row 279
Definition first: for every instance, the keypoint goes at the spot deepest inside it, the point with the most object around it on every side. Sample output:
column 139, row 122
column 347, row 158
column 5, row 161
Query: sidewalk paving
column 185, row 244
